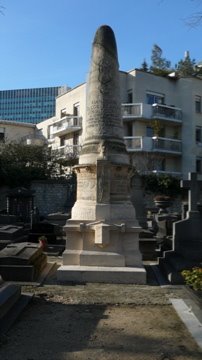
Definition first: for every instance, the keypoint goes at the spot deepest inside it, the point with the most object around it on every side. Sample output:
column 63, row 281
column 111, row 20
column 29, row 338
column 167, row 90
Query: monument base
column 101, row 274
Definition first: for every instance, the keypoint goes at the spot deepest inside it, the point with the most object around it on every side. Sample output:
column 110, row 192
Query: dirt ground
column 99, row 321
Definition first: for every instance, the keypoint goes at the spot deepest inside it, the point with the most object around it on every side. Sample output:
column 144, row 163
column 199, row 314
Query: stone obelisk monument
column 103, row 233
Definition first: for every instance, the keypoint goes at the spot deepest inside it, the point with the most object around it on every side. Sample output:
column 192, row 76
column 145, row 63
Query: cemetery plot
column 21, row 262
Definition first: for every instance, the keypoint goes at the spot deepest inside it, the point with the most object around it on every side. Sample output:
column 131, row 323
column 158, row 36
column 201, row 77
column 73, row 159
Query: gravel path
column 99, row 321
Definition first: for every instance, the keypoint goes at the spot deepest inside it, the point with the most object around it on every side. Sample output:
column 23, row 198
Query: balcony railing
column 134, row 143
column 132, row 110
column 67, row 151
column 170, row 172
column 155, row 144
column 168, row 112
column 66, row 125
column 155, row 111
column 165, row 145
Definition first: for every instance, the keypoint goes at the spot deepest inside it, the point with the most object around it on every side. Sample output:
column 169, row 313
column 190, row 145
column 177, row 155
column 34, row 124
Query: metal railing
column 165, row 111
column 69, row 151
column 67, row 123
column 132, row 110
column 134, row 142
column 151, row 144
column 164, row 144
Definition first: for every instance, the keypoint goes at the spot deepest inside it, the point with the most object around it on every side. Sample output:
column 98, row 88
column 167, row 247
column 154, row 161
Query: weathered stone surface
column 10, row 232
column 104, row 130
column 103, row 232
column 21, row 262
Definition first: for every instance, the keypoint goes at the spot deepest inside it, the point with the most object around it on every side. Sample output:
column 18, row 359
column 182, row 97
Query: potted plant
column 162, row 202
column 193, row 280
column 42, row 242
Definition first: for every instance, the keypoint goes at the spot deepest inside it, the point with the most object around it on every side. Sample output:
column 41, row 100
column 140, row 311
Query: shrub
column 162, row 184
column 193, row 277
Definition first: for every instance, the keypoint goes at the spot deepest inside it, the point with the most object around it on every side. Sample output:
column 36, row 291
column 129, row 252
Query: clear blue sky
column 48, row 42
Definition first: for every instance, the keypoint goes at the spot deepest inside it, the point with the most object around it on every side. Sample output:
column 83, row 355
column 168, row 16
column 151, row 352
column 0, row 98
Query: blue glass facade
column 29, row 105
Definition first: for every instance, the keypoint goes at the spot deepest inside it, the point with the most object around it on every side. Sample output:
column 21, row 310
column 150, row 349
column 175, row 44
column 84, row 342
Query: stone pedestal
column 103, row 232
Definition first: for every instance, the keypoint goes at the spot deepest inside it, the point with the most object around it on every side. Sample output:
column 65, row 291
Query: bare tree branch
column 194, row 20
column 2, row 10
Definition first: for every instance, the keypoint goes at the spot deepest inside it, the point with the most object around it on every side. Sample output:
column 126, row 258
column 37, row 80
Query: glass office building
column 29, row 105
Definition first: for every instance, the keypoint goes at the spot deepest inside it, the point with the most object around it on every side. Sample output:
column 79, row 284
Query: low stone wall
column 59, row 196
column 53, row 196
column 49, row 196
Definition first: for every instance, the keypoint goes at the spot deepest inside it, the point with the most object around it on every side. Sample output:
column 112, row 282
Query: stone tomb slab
column 21, row 262
column 10, row 232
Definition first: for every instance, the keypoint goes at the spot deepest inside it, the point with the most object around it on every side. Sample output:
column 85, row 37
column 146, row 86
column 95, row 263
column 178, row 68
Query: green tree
column 20, row 164
column 186, row 67
column 160, row 65
column 144, row 66
column 164, row 184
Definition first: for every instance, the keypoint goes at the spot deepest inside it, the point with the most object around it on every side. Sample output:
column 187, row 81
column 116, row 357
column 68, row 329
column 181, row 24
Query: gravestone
column 103, row 233
column 187, row 235
column 21, row 262
column 11, row 234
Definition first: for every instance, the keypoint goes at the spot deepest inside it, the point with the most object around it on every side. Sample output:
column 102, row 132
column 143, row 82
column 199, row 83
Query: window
column 130, row 97
column 76, row 109
column 63, row 113
column 129, row 129
column 149, row 131
column 198, row 134
column 62, row 141
column 154, row 98
column 198, row 104
column 199, row 165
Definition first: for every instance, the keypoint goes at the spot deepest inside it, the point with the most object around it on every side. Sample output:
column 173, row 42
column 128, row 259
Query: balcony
column 153, row 144
column 177, row 174
column 67, row 151
column 67, row 124
column 51, row 140
column 169, row 113
column 143, row 111
column 132, row 110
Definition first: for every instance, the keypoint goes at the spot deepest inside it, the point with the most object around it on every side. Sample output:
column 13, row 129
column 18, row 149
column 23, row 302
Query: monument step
column 101, row 274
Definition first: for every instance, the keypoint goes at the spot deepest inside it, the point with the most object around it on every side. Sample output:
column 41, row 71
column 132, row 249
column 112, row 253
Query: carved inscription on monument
column 102, row 118
column 86, row 185
column 103, row 181
column 119, row 182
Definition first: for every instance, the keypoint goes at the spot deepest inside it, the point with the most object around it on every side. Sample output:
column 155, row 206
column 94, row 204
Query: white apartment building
column 13, row 131
column 162, row 119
